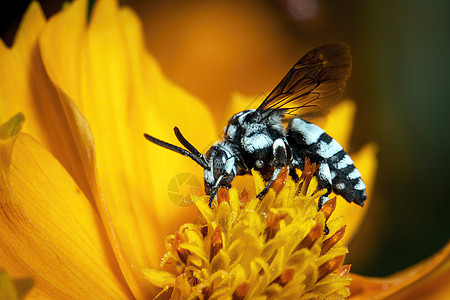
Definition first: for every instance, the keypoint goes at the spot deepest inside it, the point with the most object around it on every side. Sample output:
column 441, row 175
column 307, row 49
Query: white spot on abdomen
column 328, row 150
column 354, row 174
column 309, row 131
column 333, row 175
column 324, row 172
column 339, row 186
column 360, row 185
column 344, row 162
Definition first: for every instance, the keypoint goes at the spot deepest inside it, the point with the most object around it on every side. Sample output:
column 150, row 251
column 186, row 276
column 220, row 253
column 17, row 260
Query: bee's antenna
column 188, row 145
column 197, row 156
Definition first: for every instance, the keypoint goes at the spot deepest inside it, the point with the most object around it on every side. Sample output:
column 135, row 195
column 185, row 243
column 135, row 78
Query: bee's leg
column 280, row 159
column 293, row 174
column 211, row 197
column 324, row 176
column 266, row 188
column 215, row 189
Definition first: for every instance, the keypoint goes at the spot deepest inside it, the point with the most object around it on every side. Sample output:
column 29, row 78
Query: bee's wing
column 315, row 82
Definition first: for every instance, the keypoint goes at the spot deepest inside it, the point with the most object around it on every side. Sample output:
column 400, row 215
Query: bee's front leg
column 281, row 155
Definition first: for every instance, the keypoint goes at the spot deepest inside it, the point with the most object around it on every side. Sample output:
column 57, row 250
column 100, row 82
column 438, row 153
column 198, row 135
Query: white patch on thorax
column 230, row 165
column 328, row 150
column 257, row 142
column 242, row 115
column 309, row 131
column 209, row 176
column 231, row 131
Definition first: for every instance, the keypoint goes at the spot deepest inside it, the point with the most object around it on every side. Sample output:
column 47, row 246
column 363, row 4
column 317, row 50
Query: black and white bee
column 277, row 133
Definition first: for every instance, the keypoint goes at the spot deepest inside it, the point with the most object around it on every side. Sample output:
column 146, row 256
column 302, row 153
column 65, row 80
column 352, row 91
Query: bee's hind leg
column 324, row 177
column 325, row 181
column 293, row 174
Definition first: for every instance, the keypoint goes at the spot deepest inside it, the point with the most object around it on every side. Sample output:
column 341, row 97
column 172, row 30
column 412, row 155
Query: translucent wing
column 315, row 82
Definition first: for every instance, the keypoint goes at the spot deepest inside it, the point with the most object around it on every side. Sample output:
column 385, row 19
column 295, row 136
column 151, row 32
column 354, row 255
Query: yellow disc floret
column 246, row 248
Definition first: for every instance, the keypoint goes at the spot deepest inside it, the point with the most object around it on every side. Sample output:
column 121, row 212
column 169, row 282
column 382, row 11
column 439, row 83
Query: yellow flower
column 253, row 249
column 82, row 220
column 83, row 206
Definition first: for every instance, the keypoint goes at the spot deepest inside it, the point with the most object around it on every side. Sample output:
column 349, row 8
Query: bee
column 278, row 133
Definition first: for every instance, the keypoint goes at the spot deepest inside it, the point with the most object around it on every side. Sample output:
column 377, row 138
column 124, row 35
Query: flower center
column 246, row 248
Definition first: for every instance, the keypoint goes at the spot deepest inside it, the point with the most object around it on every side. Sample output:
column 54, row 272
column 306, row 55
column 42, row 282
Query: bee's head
column 221, row 168
column 219, row 162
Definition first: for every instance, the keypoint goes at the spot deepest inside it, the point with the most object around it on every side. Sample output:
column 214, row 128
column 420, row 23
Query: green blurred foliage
column 405, row 56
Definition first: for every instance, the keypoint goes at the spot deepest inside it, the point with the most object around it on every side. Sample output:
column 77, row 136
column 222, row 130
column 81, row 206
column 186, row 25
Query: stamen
column 273, row 224
column 310, row 238
column 330, row 242
column 223, row 195
column 241, row 291
column 193, row 281
column 182, row 253
column 330, row 266
column 285, row 277
column 204, row 230
column 343, row 271
column 280, row 181
column 328, row 208
column 216, row 242
column 207, row 292
column 244, row 196
column 307, row 175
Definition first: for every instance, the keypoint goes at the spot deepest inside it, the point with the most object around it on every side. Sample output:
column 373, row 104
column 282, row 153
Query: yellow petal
column 49, row 230
column 122, row 93
column 159, row 278
column 339, row 122
column 366, row 162
column 17, row 66
column 26, row 87
column 425, row 280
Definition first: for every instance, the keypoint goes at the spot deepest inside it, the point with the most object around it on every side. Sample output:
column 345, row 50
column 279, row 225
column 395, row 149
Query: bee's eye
column 209, row 153
column 219, row 163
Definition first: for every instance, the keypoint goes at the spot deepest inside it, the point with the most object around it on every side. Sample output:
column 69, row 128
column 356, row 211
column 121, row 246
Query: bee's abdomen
column 345, row 177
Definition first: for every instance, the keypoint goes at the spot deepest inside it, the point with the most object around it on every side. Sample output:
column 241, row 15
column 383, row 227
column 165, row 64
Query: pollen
column 246, row 248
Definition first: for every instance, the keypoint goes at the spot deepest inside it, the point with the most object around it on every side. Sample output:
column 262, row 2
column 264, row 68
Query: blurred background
column 400, row 82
